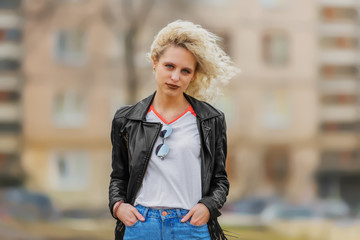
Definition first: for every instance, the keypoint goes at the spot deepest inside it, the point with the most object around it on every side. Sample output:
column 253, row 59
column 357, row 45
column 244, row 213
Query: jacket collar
column 203, row 110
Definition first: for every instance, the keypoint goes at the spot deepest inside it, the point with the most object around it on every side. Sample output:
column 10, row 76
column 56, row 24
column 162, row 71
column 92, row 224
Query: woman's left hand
column 199, row 215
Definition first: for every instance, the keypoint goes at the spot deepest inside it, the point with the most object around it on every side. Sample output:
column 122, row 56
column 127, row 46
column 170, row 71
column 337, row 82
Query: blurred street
column 102, row 230
column 64, row 229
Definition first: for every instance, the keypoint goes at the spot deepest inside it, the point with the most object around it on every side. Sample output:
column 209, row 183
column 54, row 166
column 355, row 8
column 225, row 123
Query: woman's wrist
column 116, row 207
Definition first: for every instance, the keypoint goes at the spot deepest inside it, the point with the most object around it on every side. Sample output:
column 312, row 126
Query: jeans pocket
column 136, row 223
column 195, row 226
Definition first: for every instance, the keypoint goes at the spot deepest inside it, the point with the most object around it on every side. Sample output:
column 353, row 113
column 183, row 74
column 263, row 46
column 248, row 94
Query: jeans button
column 164, row 213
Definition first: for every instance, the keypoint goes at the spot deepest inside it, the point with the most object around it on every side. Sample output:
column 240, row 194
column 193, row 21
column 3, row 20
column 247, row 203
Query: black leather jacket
column 133, row 140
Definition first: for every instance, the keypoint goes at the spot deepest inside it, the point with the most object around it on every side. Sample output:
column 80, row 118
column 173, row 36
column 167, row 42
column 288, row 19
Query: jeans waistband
column 161, row 213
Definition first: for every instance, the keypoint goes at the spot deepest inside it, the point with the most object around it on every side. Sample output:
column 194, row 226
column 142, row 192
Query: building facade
column 272, row 106
column 292, row 112
column 339, row 89
column 72, row 66
column 11, row 101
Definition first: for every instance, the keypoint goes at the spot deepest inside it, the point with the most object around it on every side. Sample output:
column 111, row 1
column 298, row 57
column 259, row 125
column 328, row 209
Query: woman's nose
column 175, row 76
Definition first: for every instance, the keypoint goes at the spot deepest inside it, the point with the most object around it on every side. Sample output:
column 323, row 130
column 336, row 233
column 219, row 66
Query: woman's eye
column 186, row 71
column 169, row 66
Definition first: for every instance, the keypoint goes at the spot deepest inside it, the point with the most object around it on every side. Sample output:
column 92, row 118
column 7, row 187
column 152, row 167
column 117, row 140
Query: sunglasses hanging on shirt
column 162, row 149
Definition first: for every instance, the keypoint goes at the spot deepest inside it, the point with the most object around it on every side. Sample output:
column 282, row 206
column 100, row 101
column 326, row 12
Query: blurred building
column 272, row 107
column 10, row 93
column 292, row 113
column 73, row 71
column 339, row 93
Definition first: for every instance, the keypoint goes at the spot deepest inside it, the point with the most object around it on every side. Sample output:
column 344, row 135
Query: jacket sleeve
column 219, row 186
column 120, row 174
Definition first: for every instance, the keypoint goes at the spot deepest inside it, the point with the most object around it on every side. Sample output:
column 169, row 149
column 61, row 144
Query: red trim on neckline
column 189, row 109
column 192, row 111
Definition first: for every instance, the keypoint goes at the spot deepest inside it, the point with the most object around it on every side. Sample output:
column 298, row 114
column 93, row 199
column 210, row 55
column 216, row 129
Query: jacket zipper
column 147, row 162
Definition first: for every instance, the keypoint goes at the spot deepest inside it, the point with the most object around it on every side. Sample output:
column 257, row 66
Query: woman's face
column 174, row 71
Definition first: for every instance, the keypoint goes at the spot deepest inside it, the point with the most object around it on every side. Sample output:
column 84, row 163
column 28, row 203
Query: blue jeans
column 164, row 224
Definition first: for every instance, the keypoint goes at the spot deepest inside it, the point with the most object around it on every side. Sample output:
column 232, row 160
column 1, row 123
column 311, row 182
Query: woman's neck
column 164, row 103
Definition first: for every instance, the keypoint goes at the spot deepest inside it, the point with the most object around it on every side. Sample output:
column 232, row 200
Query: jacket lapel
column 140, row 109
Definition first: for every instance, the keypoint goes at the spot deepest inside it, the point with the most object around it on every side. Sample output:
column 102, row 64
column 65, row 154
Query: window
column 277, row 109
column 9, row 96
column 70, row 47
column 277, row 164
column 10, row 34
column 10, row 127
column 226, row 104
column 10, row 4
column 275, row 48
column 69, row 170
column 8, row 64
column 70, row 108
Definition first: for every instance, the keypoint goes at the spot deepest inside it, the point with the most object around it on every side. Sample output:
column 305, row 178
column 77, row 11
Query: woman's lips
column 172, row 86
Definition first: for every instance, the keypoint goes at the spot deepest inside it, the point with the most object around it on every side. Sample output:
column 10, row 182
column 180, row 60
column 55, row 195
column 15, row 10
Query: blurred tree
column 135, row 14
column 127, row 19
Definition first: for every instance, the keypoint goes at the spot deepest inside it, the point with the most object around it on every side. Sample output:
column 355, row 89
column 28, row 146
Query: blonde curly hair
column 214, row 66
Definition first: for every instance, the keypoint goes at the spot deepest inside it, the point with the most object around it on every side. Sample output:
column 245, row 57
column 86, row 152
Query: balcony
column 341, row 57
column 9, row 20
column 10, row 51
column 10, row 112
column 9, row 82
column 9, row 143
column 339, row 113
column 339, row 29
column 349, row 86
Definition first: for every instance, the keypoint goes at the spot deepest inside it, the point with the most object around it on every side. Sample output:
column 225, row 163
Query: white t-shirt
column 175, row 181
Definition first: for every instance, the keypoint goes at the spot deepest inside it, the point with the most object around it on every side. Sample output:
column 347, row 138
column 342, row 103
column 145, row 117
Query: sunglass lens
column 158, row 149
column 162, row 150
column 165, row 131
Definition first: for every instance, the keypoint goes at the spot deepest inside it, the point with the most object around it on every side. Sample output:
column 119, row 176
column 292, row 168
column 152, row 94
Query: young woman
column 168, row 177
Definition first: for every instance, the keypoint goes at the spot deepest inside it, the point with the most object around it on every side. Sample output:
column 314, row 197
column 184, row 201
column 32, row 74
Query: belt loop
column 178, row 212
column 145, row 212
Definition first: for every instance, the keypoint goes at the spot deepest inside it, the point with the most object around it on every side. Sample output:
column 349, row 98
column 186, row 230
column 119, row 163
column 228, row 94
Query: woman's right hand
column 128, row 214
